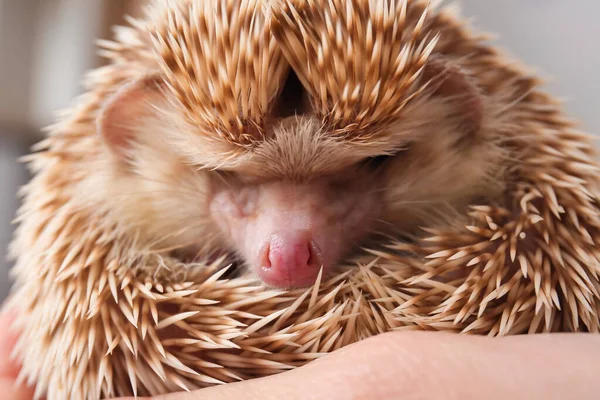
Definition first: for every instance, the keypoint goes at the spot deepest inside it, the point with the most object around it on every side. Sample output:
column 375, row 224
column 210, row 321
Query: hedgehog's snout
column 288, row 232
column 290, row 258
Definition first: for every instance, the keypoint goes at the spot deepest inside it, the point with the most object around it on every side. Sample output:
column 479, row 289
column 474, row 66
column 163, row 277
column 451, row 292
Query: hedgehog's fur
column 94, row 315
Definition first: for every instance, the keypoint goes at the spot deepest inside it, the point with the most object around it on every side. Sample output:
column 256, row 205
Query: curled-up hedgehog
column 248, row 185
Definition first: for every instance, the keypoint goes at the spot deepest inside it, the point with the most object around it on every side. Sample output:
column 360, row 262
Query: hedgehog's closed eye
column 377, row 161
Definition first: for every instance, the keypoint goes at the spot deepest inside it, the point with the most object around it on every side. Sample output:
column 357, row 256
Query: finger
column 13, row 392
column 9, row 369
column 8, row 339
column 434, row 365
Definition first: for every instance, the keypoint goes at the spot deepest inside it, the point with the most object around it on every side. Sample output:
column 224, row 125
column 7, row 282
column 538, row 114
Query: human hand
column 8, row 369
column 427, row 365
column 413, row 365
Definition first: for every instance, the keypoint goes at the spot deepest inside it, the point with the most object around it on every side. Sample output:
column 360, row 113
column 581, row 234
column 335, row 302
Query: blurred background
column 46, row 46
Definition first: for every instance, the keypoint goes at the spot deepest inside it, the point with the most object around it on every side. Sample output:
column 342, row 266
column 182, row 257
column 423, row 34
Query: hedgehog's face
column 287, row 229
column 294, row 201
column 293, row 170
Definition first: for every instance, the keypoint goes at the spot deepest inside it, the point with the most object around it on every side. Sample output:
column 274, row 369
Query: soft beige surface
column 557, row 37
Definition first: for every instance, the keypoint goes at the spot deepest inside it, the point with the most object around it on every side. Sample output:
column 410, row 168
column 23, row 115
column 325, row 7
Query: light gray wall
column 45, row 48
column 558, row 37
column 11, row 176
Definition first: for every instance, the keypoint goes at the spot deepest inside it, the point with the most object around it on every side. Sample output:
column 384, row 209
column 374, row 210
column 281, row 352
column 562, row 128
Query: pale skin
column 407, row 365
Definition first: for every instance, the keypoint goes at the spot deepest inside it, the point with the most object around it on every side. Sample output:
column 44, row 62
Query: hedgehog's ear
column 121, row 118
column 450, row 81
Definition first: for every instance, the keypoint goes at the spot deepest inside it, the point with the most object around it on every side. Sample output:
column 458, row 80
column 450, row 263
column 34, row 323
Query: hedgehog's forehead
column 227, row 63
column 299, row 150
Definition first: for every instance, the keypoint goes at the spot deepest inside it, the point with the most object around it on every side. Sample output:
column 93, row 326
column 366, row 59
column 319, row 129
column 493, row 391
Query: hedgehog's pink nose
column 290, row 259
column 288, row 255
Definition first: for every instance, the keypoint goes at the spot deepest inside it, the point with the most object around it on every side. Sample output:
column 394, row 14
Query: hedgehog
column 249, row 185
